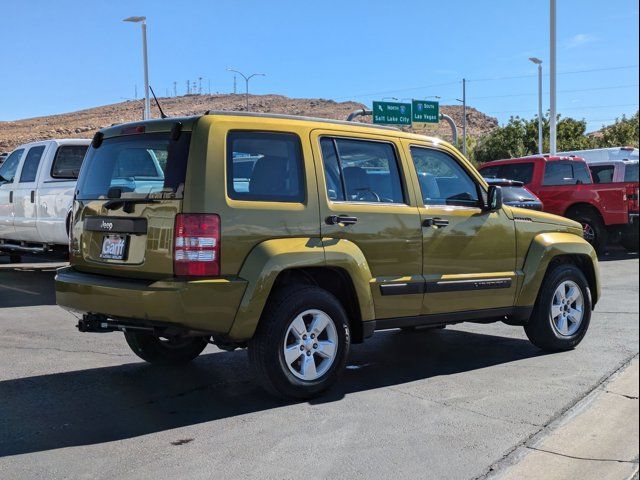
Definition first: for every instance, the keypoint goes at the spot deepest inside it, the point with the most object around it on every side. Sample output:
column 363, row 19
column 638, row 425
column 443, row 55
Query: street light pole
column 538, row 62
column 552, row 82
column 147, row 103
column 246, row 81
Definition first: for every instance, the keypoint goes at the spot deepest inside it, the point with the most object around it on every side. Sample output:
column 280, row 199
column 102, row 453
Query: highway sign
column 391, row 113
column 424, row 111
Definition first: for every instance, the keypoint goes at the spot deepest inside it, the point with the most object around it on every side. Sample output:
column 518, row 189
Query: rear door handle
column 341, row 220
column 33, row 196
column 435, row 222
column 10, row 197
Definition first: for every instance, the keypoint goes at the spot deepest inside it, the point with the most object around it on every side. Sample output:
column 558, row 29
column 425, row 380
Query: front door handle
column 10, row 197
column 435, row 222
column 33, row 196
column 341, row 220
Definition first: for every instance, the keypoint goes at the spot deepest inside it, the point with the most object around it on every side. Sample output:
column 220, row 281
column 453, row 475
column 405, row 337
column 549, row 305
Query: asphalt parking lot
column 428, row 404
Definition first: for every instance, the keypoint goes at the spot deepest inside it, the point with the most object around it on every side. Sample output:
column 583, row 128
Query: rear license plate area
column 114, row 247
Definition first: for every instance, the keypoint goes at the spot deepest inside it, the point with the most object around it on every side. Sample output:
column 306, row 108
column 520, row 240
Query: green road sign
column 391, row 113
column 424, row 111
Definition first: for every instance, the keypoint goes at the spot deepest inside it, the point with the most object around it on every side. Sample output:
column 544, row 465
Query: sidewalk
column 597, row 439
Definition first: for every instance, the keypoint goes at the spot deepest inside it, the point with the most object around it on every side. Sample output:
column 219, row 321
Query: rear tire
column 169, row 351
column 630, row 241
column 593, row 227
column 301, row 344
column 562, row 312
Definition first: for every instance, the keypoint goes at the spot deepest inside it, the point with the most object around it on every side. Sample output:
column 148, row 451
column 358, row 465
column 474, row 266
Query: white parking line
column 21, row 290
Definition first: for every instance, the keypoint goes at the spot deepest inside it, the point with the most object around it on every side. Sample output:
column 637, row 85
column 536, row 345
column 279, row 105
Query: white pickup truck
column 37, row 183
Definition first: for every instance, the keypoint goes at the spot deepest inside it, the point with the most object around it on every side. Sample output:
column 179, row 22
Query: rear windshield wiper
column 127, row 204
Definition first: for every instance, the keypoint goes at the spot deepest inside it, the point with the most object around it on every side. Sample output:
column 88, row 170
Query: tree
column 519, row 137
column 624, row 132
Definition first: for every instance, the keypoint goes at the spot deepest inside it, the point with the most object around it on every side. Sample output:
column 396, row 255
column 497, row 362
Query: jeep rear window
column 265, row 166
column 135, row 166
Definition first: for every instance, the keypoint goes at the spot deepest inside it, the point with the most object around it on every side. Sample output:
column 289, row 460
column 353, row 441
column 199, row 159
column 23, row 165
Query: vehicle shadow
column 26, row 288
column 99, row 405
column 615, row 254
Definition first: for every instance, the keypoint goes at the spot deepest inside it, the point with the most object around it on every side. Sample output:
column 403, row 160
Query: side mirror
column 494, row 198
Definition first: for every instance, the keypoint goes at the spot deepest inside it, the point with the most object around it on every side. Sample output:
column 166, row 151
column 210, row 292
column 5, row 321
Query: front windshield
column 135, row 166
column 10, row 166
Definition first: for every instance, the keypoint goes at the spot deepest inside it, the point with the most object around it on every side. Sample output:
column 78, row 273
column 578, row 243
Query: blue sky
column 69, row 54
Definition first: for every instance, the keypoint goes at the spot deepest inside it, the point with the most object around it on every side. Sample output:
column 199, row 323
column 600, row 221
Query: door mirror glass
column 494, row 198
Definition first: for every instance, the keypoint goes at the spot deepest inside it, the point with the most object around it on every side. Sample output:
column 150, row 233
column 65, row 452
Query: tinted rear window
column 135, row 166
column 602, row 173
column 68, row 161
column 631, row 173
column 522, row 172
column 29, row 171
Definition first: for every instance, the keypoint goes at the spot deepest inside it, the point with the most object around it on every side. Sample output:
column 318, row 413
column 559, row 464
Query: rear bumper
column 206, row 305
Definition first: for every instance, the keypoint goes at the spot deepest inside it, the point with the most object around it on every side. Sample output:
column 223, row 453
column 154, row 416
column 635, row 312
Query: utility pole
column 538, row 62
column 199, row 85
column 235, row 88
column 175, row 88
column 188, row 87
column 553, row 148
column 464, row 117
column 135, row 89
column 209, row 86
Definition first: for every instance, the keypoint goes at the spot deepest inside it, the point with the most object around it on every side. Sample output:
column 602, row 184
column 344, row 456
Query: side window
column 522, row 172
column 581, row 173
column 602, row 173
column 265, row 166
column 68, row 161
column 361, row 171
column 558, row 173
column 10, row 166
column 442, row 180
column 30, row 167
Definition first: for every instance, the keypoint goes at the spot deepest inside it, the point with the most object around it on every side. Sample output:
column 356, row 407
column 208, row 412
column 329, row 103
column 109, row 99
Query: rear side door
column 25, row 204
column 7, row 189
column 365, row 199
column 469, row 254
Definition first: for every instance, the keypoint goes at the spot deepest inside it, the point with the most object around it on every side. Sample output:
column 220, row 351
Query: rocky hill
column 83, row 123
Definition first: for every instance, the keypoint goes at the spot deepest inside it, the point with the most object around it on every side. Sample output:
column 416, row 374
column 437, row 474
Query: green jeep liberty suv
column 296, row 237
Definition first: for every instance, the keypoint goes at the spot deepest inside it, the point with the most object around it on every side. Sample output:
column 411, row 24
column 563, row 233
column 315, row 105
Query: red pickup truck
column 564, row 184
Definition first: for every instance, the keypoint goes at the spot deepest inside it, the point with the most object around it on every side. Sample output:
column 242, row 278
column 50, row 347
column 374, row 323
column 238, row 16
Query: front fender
column 543, row 249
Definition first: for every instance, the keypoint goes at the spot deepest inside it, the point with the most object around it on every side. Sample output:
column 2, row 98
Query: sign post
column 391, row 113
column 424, row 111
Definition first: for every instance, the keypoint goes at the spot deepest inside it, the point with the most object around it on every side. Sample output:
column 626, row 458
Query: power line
column 569, row 72
column 575, row 108
column 457, row 82
column 559, row 91
column 373, row 94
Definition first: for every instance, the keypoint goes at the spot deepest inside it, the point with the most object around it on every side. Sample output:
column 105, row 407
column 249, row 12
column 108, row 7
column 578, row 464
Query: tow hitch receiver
column 101, row 324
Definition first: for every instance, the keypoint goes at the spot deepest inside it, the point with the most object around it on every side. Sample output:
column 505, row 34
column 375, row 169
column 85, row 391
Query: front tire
column 562, row 312
column 593, row 228
column 301, row 344
column 165, row 351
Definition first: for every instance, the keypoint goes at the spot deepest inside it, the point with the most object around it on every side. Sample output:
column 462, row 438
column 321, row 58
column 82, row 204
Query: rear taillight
column 196, row 251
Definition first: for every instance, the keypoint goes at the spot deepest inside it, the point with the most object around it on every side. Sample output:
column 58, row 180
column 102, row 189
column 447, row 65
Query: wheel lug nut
column 313, row 335
column 308, row 353
column 301, row 347
column 304, row 337
column 315, row 345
